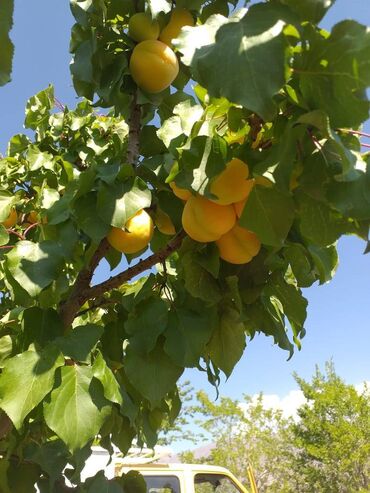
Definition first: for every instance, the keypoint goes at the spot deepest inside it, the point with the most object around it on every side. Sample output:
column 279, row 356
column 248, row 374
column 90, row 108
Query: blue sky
column 337, row 324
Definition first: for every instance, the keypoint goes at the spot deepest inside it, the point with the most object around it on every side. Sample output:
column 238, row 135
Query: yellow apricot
column 238, row 246
column 164, row 223
column 179, row 19
column 11, row 220
column 206, row 221
column 153, row 66
column 142, row 27
column 231, row 185
column 34, row 217
column 181, row 193
column 135, row 235
column 239, row 206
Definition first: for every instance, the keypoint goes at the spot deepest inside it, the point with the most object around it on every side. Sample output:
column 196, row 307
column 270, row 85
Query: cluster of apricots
column 153, row 63
column 28, row 219
column 204, row 220
column 215, row 219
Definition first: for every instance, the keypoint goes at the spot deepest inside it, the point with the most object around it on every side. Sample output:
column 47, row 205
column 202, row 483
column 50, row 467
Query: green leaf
column 203, row 158
column 26, row 379
column 100, row 484
column 299, row 260
column 6, row 348
column 40, row 326
column 309, row 10
column 268, row 213
column 123, row 434
column 198, row 281
column 228, row 341
column 252, row 51
column 145, row 323
column 38, row 159
column 4, row 236
column 150, row 144
column 188, row 334
column 352, row 198
column 325, row 260
column 117, row 203
column 22, row 477
column 192, row 39
column 80, row 341
column 106, row 377
column 153, row 374
column 189, row 113
column 133, row 482
column 7, row 47
column 51, row 456
column 4, row 485
column 335, row 83
column 267, row 317
column 87, row 210
column 6, row 202
column 38, row 110
column 318, row 223
column 170, row 131
column 76, row 409
column 293, row 303
column 35, row 265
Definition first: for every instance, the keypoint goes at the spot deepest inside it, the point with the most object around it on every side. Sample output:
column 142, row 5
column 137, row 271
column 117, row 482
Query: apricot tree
column 86, row 361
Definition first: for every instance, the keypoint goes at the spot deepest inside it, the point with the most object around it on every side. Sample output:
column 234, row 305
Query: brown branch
column 81, row 291
column 134, row 132
column 77, row 298
column 146, row 264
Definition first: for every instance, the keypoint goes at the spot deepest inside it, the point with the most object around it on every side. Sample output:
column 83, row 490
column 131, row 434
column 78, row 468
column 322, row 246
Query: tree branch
column 134, row 132
column 77, row 298
column 80, row 292
column 142, row 266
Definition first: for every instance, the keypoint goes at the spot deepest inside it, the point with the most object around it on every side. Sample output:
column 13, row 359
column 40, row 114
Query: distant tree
column 332, row 436
column 245, row 433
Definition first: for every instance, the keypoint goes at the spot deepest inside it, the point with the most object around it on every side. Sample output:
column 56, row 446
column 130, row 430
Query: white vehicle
column 184, row 478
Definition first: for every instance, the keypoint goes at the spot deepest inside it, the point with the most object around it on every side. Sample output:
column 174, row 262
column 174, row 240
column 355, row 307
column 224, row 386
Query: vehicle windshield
column 214, row 483
column 162, row 484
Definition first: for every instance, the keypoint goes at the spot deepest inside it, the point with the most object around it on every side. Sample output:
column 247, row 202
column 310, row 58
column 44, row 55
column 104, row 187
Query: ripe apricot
column 239, row 206
column 238, row 246
column 11, row 220
column 153, row 65
column 231, row 185
column 181, row 193
column 142, row 27
column 206, row 221
column 179, row 18
column 135, row 235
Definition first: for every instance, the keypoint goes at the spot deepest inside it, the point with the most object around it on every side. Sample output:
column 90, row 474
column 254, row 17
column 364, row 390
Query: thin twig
column 354, row 132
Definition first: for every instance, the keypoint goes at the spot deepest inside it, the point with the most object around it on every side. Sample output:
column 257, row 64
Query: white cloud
column 288, row 404
column 360, row 387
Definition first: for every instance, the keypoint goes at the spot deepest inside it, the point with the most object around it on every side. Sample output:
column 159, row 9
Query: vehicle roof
column 173, row 467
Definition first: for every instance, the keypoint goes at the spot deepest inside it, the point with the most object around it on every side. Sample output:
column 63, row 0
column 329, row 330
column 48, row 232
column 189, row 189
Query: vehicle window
column 214, row 483
column 162, row 484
